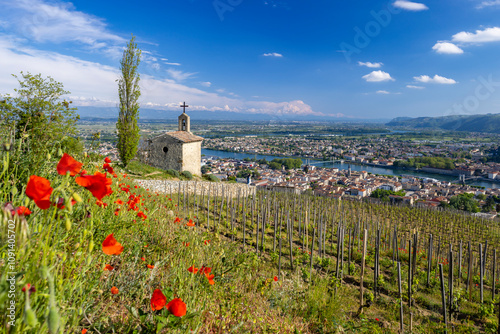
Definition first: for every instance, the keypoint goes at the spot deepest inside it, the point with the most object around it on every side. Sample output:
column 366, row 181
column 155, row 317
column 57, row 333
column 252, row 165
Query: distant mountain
column 472, row 123
column 96, row 113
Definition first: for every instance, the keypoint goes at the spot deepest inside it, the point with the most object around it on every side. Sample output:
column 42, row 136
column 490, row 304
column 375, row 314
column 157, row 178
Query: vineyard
column 122, row 258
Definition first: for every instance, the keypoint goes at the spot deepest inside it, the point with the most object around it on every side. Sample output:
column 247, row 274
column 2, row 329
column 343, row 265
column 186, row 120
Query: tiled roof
column 184, row 136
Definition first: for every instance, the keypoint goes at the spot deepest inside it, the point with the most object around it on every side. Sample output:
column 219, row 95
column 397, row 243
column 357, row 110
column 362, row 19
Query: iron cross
column 184, row 106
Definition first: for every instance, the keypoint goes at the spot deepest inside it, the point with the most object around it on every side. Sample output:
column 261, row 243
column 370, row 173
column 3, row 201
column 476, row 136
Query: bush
column 173, row 172
column 187, row 174
column 211, row 177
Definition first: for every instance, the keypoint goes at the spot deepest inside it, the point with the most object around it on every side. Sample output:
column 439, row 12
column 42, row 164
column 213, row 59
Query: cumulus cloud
column 411, row 6
column 488, row 4
column 378, row 76
column 273, row 54
column 370, row 65
column 383, row 92
column 436, row 79
column 206, row 84
column 414, row 87
column 480, row 36
column 178, row 75
column 447, row 48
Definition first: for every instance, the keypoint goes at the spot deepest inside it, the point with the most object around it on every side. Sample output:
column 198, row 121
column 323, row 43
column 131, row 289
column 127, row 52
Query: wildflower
column 377, row 319
column 150, row 266
column 98, row 184
column 276, row 278
column 119, row 202
column 143, row 259
column 193, row 269
column 190, row 223
column 108, row 160
column 23, row 211
column 177, row 220
column 205, row 270
column 108, row 267
column 117, row 212
column 114, row 290
column 68, row 164
column 158, row 300
column 185, row 243
column 210, row 279
column 108, row 168
column 30, row 288
column 141, row 214
column 206, row 242
column 84, row 331
column 111, row 247
column 39, row 190
column 177, row 307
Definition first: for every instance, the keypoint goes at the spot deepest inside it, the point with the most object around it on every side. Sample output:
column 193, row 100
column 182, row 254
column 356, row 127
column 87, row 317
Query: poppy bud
column 91, row 245
column 26, row 201
column 89, row 260
column 44, row 271
column 6, row 147
column 68, row 224
column 85, row 154
column 77, row 197
column 80, row 311
column 49, row 156
column 13, row 191
column 85, row 233
column 53, row 320
column 77, row 245
column 59, row 152
column 30, row 317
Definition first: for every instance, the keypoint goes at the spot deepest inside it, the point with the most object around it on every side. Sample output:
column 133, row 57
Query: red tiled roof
column 184, row 136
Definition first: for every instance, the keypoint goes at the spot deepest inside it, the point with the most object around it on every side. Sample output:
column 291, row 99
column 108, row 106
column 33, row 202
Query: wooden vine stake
column 365, row 237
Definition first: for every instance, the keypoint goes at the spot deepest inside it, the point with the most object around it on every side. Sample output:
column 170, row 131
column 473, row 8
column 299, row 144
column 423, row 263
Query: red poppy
column 205, row 270
column 22, row 210
column 177, row 220
column 141, row 214
column 158, row 300
column 108, row 267
column 177, row 307
column 101, row 204
column 276, row 278
column 111, row 247
column 193, row 269
column 119, row 202
column 84, row 331
column 114, row 290
column 185, row 243
column 206, row 242
column 210, row 279
column 190, row 223
column 107, row 167
column 150, row 266
column 39, row 190
column 143, row 259
column 108, row 160
column 117, row 212
column 98, row 184
column 68, row 164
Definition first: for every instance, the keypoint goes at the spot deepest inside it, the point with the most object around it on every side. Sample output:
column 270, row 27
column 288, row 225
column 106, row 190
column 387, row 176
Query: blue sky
column 355, row 59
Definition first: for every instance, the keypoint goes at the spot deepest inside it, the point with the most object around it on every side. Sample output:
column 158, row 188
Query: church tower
column 184, row 122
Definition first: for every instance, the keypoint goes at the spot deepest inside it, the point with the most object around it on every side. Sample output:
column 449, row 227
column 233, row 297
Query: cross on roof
column 184, row 106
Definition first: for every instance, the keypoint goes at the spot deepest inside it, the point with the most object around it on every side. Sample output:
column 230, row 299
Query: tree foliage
column 289, row 163
column 434, row 162
column 464, row 202
column 129, row 93
column 384, row 194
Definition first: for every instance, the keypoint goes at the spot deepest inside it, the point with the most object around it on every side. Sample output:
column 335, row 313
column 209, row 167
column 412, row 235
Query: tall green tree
column 129, row 93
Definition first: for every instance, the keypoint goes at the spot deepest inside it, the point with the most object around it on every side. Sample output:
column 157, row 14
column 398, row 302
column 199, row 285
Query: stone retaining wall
column 215, row 188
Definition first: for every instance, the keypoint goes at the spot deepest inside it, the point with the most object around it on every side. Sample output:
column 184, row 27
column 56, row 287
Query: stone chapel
column 179, row 150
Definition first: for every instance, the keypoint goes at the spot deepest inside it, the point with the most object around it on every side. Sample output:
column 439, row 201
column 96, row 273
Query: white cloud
column 414, row 87
column 436, row 79
column 179, row 75
column 447, row 48
column 488, row 4
column 273, row 54
column 173, row 64
column 378, row 76
column 206, row 84
column 369, row 64
column 57, row 22
column 408, row 5
column 383, row 92
column 480, row 36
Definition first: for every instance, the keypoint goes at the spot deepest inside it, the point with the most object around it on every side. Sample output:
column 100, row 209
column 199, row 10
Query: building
column 179, row 150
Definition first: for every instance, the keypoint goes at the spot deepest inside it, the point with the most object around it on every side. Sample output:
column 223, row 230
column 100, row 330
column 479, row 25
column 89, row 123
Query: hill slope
column 474, row 123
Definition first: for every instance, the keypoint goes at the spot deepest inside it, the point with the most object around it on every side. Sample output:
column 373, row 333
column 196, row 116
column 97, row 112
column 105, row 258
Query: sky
column 353, row 59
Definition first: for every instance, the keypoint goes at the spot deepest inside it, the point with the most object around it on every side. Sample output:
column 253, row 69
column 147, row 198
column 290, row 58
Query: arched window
column 183, row 125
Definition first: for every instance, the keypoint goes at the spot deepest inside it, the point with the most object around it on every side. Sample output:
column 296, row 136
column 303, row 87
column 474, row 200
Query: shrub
column 187, row 174
column 173, row 172
column 211, row 178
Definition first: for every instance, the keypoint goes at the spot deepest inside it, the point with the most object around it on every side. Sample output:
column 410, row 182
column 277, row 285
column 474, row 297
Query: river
column 369, row 169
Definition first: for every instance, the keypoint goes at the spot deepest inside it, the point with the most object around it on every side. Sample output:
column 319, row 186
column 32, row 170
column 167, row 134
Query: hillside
column 473, row 123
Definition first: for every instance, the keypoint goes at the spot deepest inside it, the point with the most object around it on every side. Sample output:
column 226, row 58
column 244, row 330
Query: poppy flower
column 206, row 242
column 177, row 220
column 29, row 288
column 190, row 223
column 108, row 160
column 185, row 243
column 150, row 266
column 210, row 279
column 276, row 278
column 143, row 259
column 23, row 211
column 108, row 267
column 39, row 190
column 177, row 307
column 377, row 319
column 68, row 164
column 141, row 214
column 84, row 331
column 114, row 290
column 111, row 247
column 205, row 270
column 158, row 300
column 117, row 212
column 119, row 202
column 193, row 269
column 98, row 184
column 108, row 168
